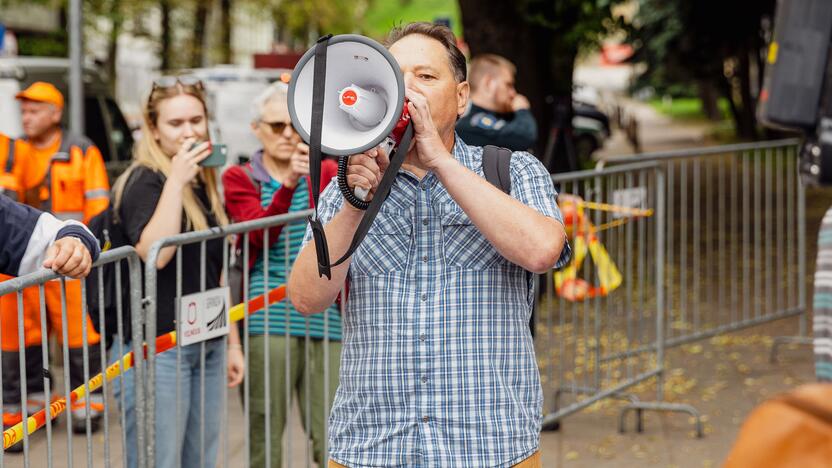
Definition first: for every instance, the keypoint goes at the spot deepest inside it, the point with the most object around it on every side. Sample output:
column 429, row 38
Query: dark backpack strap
column 496, row 162
column 247, row 170
column 10, row 157
column 68, row 140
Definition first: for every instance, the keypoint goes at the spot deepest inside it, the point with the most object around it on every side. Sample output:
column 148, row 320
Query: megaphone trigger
column 361, row 193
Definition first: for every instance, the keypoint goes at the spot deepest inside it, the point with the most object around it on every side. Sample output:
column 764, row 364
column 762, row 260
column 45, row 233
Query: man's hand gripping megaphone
column 365, row 170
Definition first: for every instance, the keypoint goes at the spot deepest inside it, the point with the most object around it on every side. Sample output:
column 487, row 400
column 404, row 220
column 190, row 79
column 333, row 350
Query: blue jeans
column 179, row 445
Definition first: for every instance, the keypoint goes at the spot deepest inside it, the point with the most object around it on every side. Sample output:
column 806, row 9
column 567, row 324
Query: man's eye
column 425, row 76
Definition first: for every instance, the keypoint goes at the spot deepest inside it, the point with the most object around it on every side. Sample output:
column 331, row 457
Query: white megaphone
column 363, row 98
column 346, row 96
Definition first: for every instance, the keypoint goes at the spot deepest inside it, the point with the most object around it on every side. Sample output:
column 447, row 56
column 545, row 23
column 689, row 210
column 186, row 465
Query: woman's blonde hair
column 147, row 153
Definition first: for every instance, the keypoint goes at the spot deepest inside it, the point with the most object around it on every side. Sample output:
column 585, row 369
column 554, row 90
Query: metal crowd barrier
column 588, row 348
column 235, row 440
column 39, row 447
column 736, row 238
column 718, row 246
column 724, row 251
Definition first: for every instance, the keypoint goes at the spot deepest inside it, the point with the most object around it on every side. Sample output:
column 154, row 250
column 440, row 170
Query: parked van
column 104, row 123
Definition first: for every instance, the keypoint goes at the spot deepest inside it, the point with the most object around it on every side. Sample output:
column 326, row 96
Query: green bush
column 52, row 44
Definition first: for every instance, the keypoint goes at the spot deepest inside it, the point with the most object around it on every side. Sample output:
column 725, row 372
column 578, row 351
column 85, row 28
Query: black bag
column 110, row 235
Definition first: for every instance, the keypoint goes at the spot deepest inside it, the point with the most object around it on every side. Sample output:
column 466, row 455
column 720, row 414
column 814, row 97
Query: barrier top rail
column 217, row 232
column 636, row 165
column 40, row 277
column 691, row 152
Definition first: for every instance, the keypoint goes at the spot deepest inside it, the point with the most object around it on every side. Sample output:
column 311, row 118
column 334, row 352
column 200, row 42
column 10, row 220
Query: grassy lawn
column 381, row 16
column 686, row 108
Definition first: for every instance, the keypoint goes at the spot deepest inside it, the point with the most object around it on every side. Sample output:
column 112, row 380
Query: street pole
column 76, row 64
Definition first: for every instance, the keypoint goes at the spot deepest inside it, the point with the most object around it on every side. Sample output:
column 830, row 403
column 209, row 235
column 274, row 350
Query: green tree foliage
column 715, row 47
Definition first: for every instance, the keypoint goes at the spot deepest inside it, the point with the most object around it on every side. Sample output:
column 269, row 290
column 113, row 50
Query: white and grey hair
column 278, row 90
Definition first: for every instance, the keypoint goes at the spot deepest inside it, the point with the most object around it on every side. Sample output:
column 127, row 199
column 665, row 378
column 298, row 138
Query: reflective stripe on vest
column 96, row 193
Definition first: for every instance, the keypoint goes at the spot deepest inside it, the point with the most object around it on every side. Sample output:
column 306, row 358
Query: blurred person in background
column 163, row 193
column 62, row 174
column 497, row 115
column 276, row 181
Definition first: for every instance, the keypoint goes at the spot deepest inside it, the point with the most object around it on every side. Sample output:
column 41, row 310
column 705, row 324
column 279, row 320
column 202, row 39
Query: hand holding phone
column 217, row 157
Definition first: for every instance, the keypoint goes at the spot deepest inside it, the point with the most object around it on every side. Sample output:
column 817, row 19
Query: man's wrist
column 353, row 213
column 444, row 166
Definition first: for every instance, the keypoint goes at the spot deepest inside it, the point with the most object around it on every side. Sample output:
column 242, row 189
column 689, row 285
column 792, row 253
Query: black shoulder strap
column 496, row 162
column 68, row 140
column 247, row 170
column 10, row 157
column 396, row 159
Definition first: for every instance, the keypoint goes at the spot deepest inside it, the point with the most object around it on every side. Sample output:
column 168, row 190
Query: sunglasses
column 165, row 82
column 276, row 127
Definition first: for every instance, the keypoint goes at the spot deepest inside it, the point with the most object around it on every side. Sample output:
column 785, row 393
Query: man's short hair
column 488, row 65
column 440, row 33
column 277, row 90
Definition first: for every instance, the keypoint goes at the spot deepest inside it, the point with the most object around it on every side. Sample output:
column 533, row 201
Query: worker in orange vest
column 64, row 175
column 13, row 154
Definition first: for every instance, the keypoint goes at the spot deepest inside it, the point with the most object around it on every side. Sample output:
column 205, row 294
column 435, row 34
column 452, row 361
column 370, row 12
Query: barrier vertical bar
column 86, row 370
column 103, row 359
column 24, row 381
column 67, row 386
column 47, row 381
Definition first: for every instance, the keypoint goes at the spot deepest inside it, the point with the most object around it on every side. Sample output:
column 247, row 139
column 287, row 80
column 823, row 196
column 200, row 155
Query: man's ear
column 463, row 91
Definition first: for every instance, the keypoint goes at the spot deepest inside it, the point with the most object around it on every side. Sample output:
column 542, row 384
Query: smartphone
column 217, row 157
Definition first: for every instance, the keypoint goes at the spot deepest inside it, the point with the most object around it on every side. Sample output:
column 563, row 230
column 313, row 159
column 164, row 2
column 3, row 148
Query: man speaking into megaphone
column 438, row 365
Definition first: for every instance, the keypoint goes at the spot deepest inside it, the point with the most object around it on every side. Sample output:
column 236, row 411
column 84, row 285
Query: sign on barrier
column 206, row 315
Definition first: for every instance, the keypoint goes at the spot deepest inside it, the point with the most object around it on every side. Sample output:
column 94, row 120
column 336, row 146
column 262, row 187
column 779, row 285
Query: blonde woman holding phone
column 166, row 191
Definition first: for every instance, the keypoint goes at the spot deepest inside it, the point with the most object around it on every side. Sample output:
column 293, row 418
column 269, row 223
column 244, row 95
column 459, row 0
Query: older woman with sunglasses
column 276, row 181
column 163, row 193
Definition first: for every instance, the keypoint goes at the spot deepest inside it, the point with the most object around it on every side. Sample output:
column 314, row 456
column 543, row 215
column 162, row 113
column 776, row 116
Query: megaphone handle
column 361, row 193
column 387, row 145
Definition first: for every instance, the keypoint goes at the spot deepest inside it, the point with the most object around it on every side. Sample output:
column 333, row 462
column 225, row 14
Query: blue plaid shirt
column 438, row 365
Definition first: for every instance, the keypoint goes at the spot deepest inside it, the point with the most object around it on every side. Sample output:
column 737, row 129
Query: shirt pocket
column 464, row 245
column 386, row 248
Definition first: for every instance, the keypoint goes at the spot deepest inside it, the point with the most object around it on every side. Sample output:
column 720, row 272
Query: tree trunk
column 225, row 31
column 165, row 40
column 198, row 46
column 112, row 46
column 710, row 103
column 544, row 64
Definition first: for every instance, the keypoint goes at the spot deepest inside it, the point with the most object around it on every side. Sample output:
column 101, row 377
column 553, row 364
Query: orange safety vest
column 74, row 184
column 13, row 154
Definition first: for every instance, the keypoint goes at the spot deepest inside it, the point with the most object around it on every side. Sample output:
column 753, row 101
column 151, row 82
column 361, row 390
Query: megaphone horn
column 363, row 100
column 346, row 96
